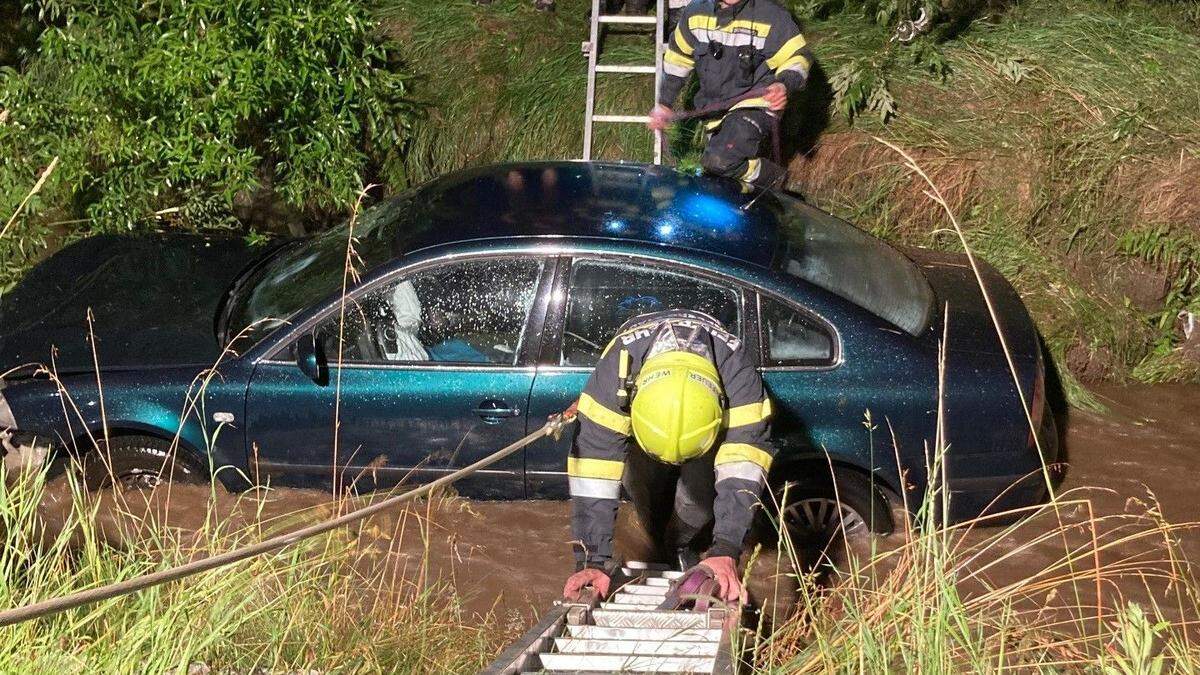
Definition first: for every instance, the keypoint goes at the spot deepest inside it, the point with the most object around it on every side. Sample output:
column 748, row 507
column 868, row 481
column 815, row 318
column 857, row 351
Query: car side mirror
column 310, row 357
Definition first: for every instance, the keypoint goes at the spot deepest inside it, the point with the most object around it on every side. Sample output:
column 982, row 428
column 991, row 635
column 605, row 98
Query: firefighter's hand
column 776, row 96
column 660, row 117
column 724, row 569
column 595, row 578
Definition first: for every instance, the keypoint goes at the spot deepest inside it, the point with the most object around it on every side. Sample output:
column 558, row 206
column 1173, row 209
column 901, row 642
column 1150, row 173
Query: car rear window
column 842, row 259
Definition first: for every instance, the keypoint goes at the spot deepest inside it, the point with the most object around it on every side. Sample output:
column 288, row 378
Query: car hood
column 971, row 328
column 153, row 301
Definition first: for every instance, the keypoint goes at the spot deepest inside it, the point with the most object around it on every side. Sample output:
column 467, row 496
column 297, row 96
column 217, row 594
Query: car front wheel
column 138, row 463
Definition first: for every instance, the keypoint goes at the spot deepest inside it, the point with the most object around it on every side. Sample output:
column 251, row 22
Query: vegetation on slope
column 1066, row 133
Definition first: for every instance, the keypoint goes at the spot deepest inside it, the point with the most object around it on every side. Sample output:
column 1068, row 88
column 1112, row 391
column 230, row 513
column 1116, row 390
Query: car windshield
column 844, row 260
column 303, row 274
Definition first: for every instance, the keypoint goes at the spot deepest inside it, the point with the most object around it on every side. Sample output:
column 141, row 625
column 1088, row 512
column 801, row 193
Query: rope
column 553, row 427
column 724, row 106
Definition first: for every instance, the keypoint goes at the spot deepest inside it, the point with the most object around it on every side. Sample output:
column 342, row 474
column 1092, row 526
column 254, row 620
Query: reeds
column 346, row 602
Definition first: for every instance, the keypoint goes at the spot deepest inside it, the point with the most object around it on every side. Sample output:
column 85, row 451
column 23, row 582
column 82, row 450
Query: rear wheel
column 816, row 512
column 812, row 517
column 138, row 463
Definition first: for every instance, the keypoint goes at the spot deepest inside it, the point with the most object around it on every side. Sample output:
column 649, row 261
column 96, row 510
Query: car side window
column 793, row 338
column 603, row 295
column 466, row 312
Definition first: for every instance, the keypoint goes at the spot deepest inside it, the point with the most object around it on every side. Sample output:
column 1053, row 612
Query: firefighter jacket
column 597, row 460
column 734, row 50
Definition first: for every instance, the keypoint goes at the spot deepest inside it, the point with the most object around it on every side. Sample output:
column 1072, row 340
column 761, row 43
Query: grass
column 1065, row 126
column 1115, row 594
column 332, row 604
column 504, row 81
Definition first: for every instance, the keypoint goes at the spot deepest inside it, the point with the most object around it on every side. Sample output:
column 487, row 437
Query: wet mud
column 509, row 559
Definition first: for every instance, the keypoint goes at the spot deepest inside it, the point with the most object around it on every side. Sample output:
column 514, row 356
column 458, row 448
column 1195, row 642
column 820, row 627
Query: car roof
column 594, row 200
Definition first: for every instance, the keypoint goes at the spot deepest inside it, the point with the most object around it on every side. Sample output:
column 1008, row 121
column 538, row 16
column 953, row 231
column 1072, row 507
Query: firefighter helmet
column 677, row 406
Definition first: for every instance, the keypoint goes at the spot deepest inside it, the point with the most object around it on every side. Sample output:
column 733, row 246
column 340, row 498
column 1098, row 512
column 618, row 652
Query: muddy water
column 510, row 558
column 1147, row 442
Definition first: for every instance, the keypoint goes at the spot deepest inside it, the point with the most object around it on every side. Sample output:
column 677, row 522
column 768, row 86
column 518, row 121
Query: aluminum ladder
column 626, row 634
column 591, row 49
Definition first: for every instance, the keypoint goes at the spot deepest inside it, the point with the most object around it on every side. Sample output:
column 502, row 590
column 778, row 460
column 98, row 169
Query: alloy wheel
column 139, row 480
column 822, row 517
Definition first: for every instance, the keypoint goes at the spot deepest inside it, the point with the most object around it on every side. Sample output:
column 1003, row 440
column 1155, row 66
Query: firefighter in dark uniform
column 676, row 411
column 736, row 47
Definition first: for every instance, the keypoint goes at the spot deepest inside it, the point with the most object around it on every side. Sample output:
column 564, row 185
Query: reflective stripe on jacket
column 597, row 460
column 734, row 51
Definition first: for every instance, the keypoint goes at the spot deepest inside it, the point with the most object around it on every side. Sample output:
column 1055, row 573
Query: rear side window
column 604, row 295
column 792, row 337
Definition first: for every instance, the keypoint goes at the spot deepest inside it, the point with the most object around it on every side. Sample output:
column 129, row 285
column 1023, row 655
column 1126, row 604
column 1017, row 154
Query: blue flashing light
column 666, row 229
column 615, row 225
column 709, row 211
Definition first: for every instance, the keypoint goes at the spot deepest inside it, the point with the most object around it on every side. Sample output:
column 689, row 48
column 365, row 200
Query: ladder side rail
column 518, row 656
column 659, row 28
column 593, row 54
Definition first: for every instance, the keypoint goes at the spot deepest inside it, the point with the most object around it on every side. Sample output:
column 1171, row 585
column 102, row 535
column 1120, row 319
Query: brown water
column 1142, row 455
column 1131, row 470
column 1147, row 443
column 511, row 558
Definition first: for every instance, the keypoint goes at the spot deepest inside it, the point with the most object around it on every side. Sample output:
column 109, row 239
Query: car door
column 427, row 372
column 800, row 352
column 593, row 297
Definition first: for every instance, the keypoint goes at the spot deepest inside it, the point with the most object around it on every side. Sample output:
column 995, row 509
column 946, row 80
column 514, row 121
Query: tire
column 803, row 552
column 816, row 512
column 139, row 462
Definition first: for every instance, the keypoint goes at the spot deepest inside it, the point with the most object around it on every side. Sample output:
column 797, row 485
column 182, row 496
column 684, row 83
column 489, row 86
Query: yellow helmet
column 677, row 410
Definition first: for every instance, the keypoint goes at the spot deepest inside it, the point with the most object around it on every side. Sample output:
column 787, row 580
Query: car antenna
column 769, row 186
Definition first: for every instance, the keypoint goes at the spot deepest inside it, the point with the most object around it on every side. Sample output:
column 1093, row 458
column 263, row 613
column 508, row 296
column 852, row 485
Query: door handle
column 493, row 411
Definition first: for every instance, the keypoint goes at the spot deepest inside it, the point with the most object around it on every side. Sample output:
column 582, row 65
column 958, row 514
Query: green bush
column 176, row 107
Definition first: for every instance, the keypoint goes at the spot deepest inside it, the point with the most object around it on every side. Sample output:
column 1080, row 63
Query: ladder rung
column 639, row 589
column 617, row 18
column 640, row 647
column 649, row 70
column 651, row 619
column 638, row 119
column 591, row 663
column 674, row 634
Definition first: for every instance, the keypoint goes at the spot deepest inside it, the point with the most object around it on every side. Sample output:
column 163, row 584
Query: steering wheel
column 383, row 333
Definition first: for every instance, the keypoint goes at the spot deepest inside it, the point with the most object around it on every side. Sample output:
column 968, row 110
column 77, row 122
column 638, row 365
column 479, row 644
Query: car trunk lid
column 959, row 300
column 152, row 299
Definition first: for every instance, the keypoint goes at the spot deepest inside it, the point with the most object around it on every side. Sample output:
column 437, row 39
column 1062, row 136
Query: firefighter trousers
column 735, row 148
column 673, row 503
